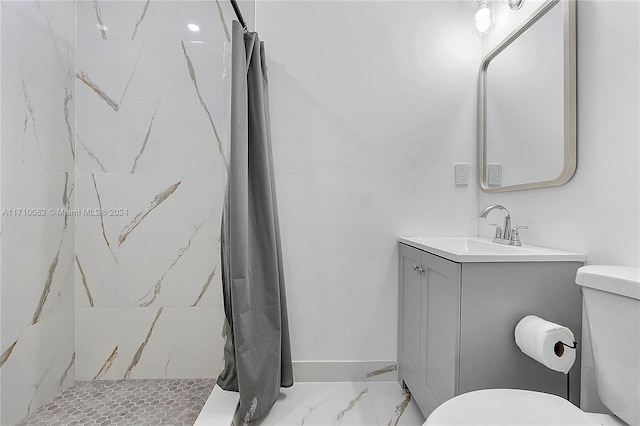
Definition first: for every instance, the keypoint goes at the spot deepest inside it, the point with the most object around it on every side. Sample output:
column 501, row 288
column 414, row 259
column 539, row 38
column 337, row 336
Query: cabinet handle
column 421, row 270
column 415, row 267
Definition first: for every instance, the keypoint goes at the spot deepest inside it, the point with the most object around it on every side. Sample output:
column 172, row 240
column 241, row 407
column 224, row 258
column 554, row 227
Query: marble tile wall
column 120, row 120
column 151, row 136
column 37, row 291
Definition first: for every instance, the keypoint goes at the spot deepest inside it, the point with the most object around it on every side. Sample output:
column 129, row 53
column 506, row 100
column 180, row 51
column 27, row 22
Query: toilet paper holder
column 558, row 348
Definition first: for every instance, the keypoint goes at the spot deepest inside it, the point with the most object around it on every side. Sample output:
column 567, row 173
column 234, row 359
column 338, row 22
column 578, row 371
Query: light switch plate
column 495, row 174
column 462, row 173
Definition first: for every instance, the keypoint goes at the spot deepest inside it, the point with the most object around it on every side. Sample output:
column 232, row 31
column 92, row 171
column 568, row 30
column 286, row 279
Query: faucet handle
column 515, row 236
column 498, row 230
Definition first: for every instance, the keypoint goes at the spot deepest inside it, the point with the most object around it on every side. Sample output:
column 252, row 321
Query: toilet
column 611, row 296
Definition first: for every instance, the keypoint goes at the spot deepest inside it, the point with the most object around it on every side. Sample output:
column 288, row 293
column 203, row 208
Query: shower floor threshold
column 219, row 408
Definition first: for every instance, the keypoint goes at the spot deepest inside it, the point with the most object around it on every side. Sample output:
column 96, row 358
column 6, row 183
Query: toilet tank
column 612, row 310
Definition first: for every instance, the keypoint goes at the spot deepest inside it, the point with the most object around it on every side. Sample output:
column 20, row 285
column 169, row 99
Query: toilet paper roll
column 539, row 339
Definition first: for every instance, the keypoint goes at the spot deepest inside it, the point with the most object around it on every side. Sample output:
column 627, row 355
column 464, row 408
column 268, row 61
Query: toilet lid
column 508, row 407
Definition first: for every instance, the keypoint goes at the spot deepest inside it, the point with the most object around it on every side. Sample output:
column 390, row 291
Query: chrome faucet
column 502, row 236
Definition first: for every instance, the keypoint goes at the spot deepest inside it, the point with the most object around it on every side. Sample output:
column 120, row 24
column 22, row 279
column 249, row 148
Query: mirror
column 527, row 104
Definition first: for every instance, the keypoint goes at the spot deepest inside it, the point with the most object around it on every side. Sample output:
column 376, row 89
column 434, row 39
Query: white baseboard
column 345, row 371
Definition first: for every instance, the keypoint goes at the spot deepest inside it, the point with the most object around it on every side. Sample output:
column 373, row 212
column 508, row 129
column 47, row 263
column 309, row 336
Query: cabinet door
column 440, row 328
column 409, row 317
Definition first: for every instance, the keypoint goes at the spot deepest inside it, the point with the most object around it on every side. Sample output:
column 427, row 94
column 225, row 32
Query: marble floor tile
column 393, row 405
column 125, row 402
column 325, row 403
column 313, row 403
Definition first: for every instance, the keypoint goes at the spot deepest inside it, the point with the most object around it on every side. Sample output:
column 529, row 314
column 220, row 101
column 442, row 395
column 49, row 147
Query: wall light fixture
column 484, row 17
column 514, row 4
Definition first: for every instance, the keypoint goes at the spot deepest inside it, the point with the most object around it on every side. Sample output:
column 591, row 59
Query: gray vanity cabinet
column 409, row 317
column 456, row 325
column 428, row 326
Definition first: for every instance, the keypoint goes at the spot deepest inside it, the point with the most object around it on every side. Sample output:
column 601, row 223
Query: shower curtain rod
column 236, row 9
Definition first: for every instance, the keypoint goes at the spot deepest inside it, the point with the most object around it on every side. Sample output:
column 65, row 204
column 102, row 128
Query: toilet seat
column 508, row 407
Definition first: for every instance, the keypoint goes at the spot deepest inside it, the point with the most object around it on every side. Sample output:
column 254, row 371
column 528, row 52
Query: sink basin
column 475, row 249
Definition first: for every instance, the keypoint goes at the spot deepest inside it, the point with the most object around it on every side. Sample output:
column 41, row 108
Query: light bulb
column 483, row 20
column 193, row 27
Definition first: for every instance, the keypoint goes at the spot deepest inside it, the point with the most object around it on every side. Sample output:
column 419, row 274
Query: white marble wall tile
column 61, row 14
column 107, row 20
column 100, row 72
column 164, row 252
column 99, row 338
column 64, row 298
column 132, row 120
column 41, row 365
column 151, row 131
column 37, row 255
column 117, row 343
column 155, row 20
column 188, row 344
column 38, row 61
column 184, row 120
column 37, row 85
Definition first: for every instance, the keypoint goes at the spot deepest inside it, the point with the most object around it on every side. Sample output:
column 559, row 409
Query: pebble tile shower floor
column 125, row 402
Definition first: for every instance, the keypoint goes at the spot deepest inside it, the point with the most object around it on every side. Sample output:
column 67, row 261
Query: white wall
column 371, row 105
column 366, row 125
column 597, row 212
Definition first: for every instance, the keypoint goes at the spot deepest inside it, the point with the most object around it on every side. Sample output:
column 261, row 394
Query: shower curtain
column 257, row 350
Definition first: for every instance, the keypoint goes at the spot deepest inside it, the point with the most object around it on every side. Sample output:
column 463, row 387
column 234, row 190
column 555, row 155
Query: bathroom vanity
column 459, row 302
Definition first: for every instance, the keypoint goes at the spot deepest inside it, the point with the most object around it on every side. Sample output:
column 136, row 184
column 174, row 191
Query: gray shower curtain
column 257, row 349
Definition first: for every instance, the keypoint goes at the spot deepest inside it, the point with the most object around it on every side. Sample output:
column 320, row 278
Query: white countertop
column 475, row 249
